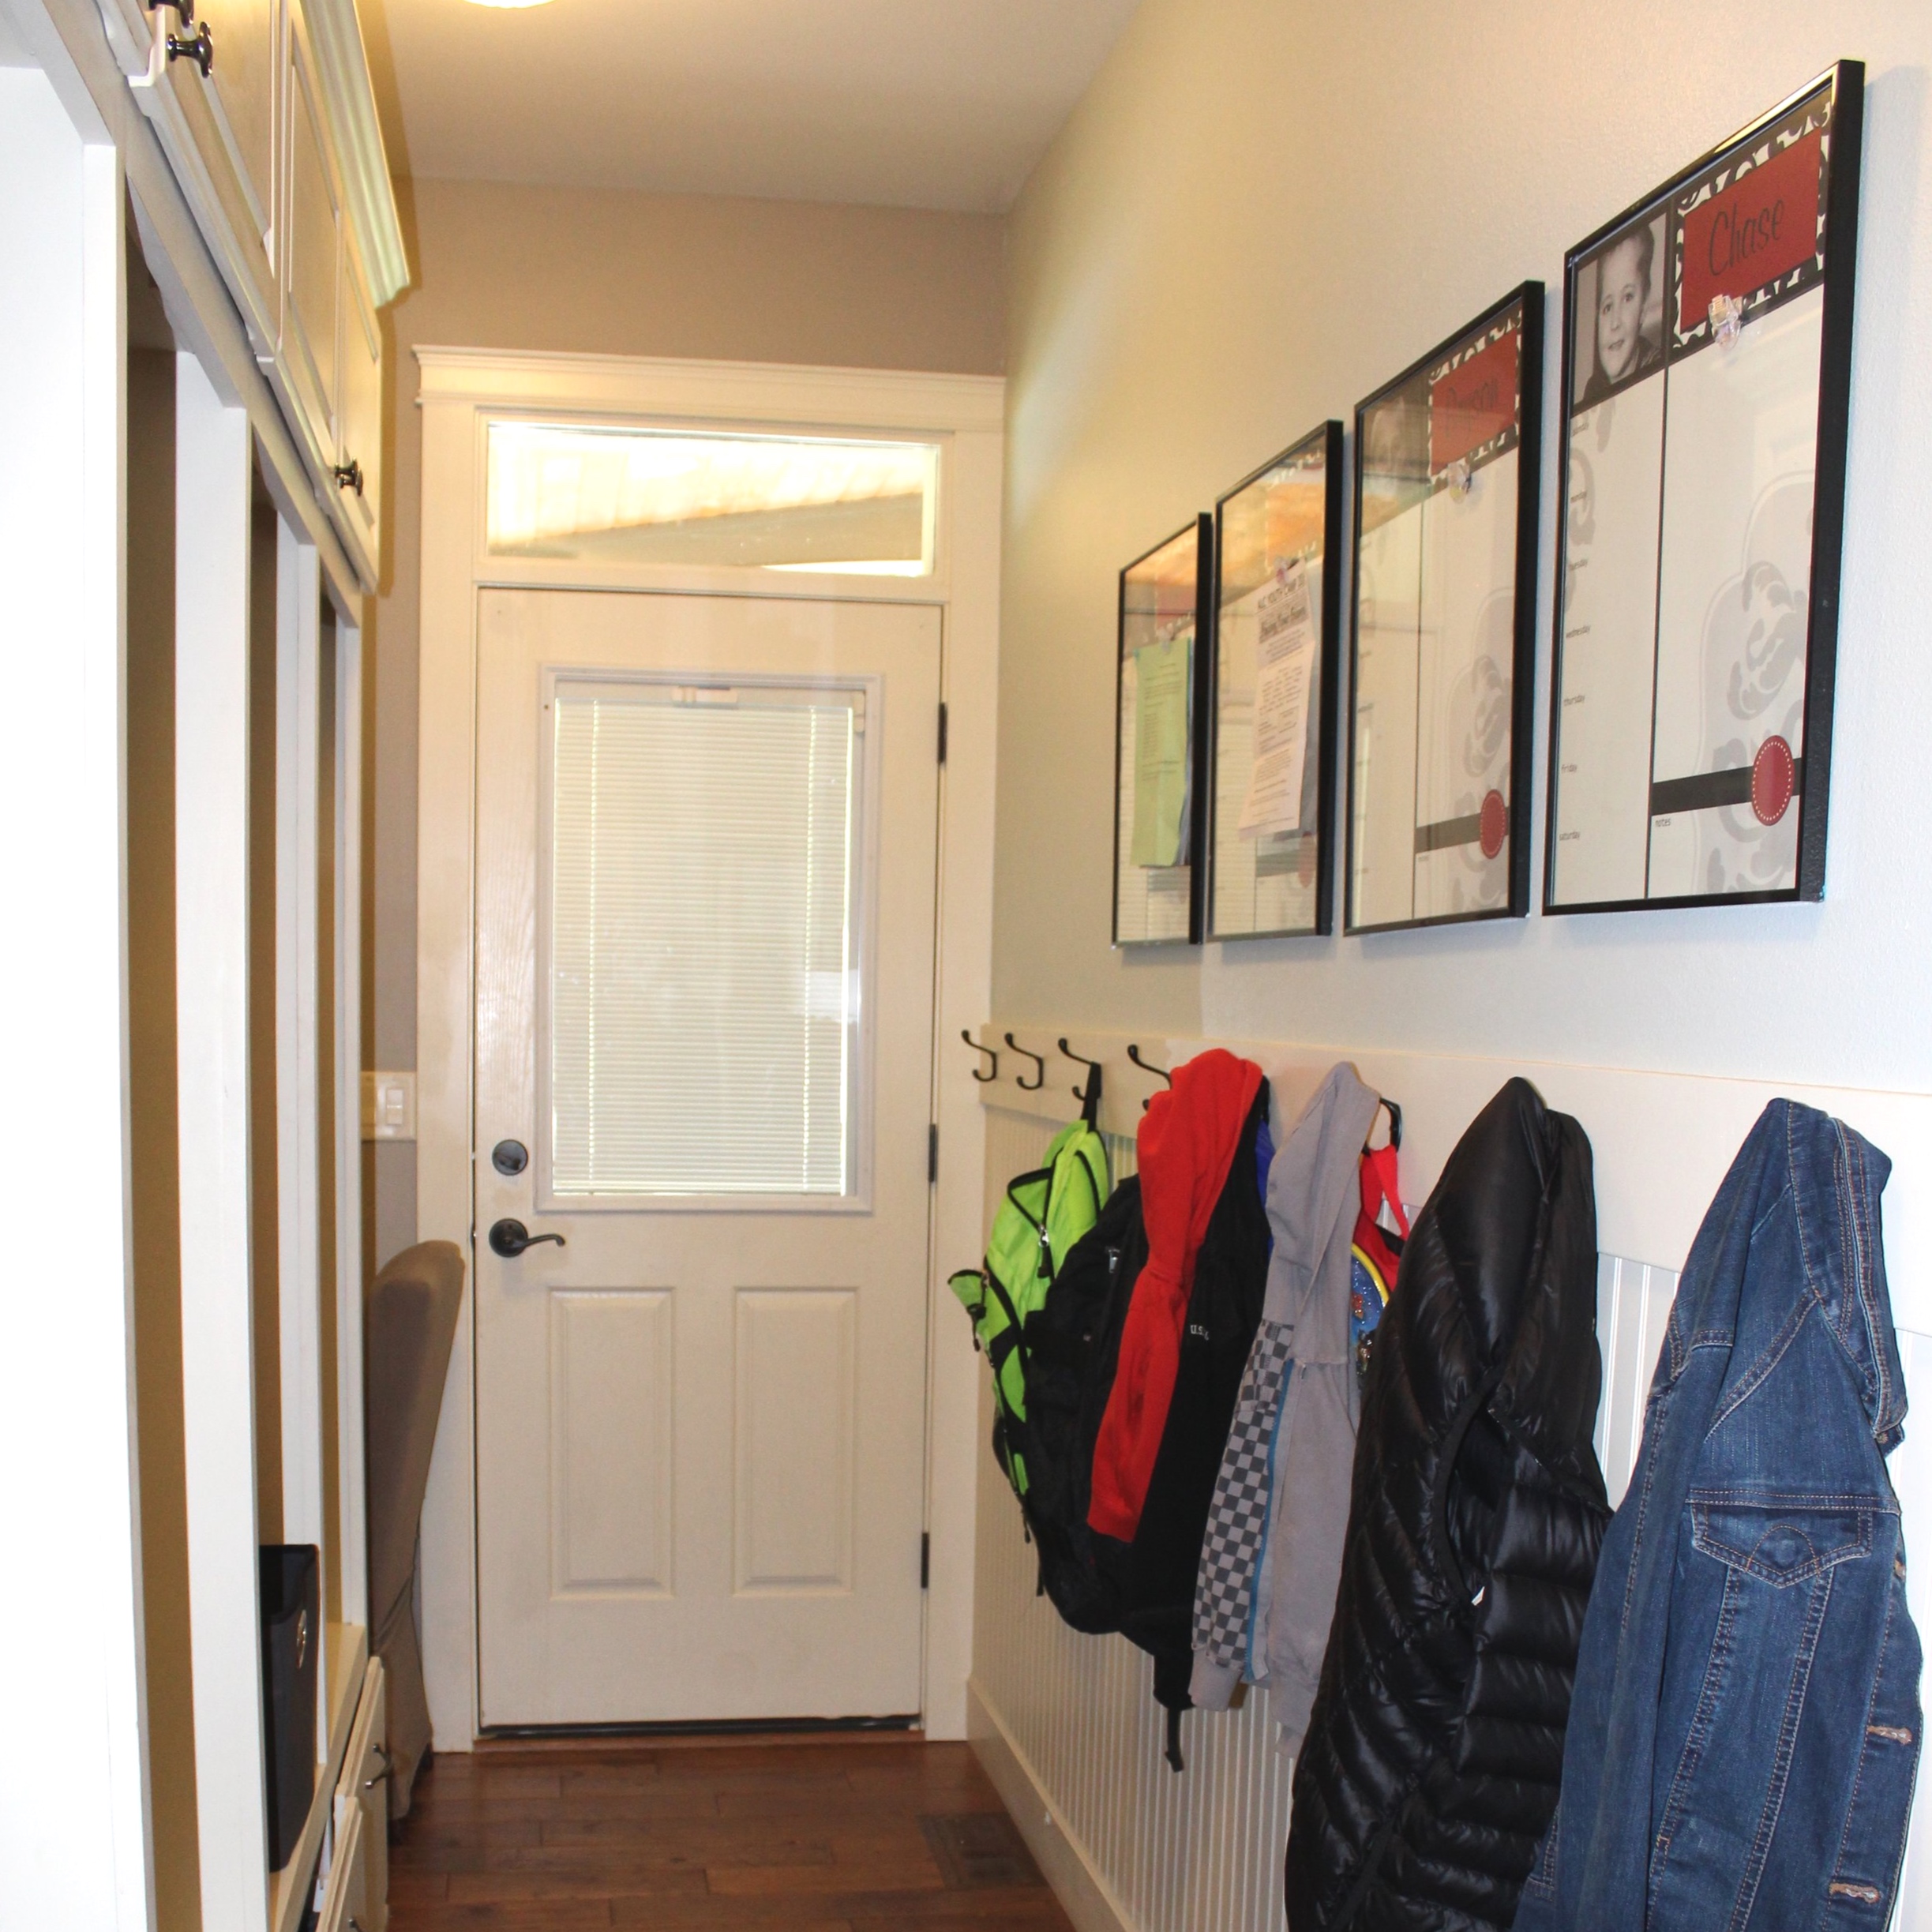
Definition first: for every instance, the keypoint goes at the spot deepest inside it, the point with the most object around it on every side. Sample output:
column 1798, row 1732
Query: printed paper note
column 1160, row 722
column 1284, row 660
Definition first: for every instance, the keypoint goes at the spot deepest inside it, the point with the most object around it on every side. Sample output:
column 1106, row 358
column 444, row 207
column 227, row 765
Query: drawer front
column 364, row 1794
column 311, row 266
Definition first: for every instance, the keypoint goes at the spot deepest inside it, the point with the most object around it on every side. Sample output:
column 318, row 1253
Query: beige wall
column 1261, row 210
column 619, row 273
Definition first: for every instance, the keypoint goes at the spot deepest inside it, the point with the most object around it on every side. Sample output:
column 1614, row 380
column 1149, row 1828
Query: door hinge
column 942, row 733
column 926, row 1559
column 932, row 1153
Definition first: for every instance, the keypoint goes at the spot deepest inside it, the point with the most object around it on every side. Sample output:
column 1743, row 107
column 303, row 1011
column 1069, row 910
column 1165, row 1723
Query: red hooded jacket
column 1187, row 1143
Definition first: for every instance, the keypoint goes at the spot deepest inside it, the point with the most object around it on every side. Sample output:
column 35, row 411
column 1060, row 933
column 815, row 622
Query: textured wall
column 1261, row 210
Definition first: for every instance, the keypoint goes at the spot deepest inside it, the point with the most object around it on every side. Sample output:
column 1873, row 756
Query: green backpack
column 1044, row 1213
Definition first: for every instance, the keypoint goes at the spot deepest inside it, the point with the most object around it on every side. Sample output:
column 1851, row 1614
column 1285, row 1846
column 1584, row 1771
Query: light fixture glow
column 516, row 6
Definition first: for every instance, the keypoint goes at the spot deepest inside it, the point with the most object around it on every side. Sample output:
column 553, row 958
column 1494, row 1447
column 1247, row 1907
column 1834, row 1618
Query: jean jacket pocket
column 1781, row 1537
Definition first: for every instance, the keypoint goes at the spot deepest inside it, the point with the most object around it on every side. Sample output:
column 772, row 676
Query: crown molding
column 339, row 53
column 784, row 392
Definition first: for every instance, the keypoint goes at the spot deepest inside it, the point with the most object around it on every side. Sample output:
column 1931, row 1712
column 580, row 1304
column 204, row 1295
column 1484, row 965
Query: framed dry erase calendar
column 1707, row 370
column 1166, row 621
column 1447, row 465
column 1271, row 707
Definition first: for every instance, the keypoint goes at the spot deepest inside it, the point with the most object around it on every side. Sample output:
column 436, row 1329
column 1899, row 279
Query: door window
column 705, row 939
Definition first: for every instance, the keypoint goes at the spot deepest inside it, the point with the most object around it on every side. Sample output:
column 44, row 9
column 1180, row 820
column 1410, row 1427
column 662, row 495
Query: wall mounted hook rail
column 991, row 1053
column 1395, row 1123
column 1039, row 1061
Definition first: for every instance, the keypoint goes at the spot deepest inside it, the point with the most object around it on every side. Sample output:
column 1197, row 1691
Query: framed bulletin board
column 1160, row 721
column 1447, row 462
column 1271, row 710
column 1707, row 371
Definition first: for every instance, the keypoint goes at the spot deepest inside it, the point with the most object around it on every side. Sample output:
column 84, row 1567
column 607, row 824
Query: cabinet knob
column 347, row 476
column 198, row 47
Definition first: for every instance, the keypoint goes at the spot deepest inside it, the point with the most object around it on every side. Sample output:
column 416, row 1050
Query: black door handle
column 509, row 1239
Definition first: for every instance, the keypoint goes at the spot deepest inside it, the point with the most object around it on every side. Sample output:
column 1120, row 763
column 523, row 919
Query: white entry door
column 706, row 832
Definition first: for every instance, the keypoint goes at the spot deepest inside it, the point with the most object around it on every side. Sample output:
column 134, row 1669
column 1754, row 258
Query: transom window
column 624, row 494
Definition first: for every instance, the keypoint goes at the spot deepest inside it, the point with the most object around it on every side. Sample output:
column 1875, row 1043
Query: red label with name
column 1762, row 226
column 1475, row 402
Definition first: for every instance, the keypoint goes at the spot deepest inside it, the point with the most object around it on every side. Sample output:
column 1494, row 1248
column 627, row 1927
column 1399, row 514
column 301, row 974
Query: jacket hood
column 1312, row 1191
column 1187, row 1144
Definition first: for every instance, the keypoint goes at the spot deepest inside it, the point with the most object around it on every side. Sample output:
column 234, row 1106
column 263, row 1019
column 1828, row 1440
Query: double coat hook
column 1146, row 1065
column 1039, row 1063
column 991, row 1053
column 1088, row 1096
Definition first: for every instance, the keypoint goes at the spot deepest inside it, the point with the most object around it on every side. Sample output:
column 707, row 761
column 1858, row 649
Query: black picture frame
column 1314, row 855
column 1719, row 196
column 1410, row 407
column 1132, row 621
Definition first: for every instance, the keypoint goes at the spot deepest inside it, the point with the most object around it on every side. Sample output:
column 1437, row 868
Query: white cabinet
column 345, row 1904
column 365, row 1790
column 265, row 111
column 312, row 260
column 213, row 90
column 358, row 460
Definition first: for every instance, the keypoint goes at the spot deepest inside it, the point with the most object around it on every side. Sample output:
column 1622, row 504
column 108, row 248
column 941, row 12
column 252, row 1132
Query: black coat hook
column 1395, row 1125
column 1146, row 1065
column 991, row 1053
column 1039, row 1061
column 1088, row 1096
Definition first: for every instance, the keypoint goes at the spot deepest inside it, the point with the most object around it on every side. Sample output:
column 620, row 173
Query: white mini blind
column 704, row 944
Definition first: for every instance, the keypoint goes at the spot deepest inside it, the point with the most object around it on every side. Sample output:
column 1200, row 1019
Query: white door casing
column 461, row 391
column 701, row 1422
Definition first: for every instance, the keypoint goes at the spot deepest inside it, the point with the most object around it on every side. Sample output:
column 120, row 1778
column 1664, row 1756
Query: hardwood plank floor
column 819, row 1835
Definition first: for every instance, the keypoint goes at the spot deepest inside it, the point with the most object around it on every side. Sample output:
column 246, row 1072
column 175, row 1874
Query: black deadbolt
column 509, row 1157
column 509, row 1238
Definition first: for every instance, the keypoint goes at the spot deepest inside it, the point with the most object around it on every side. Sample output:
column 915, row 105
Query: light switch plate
column 389, row 1106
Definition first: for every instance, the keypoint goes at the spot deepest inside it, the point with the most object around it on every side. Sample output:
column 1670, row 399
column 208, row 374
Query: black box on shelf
column 292, row 1651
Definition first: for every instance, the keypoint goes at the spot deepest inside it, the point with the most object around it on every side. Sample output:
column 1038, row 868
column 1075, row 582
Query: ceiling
column 914, row 103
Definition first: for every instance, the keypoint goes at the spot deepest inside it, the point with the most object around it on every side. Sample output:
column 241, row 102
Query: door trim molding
column 460, row 389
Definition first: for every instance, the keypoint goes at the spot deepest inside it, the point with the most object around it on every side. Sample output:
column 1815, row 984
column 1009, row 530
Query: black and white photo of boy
column 1618, row 318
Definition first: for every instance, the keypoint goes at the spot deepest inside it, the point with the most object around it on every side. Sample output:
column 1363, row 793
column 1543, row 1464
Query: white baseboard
column 1089, row 1900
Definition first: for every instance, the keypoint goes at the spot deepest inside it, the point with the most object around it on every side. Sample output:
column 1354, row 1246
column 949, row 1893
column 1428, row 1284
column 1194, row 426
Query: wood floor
column 861, row 1835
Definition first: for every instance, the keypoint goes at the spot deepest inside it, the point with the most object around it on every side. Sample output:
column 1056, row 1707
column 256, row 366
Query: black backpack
column 1073, row 1347
column 1153, row 1576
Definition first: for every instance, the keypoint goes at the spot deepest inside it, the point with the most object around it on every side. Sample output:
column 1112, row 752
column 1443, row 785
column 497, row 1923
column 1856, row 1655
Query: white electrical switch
column 388, row 1106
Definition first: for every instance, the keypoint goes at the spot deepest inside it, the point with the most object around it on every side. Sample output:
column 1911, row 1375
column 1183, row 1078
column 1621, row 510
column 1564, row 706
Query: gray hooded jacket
column 1272, row 1556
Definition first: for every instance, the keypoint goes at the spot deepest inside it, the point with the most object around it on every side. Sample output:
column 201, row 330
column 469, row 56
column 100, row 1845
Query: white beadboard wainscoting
column 1067, row 1724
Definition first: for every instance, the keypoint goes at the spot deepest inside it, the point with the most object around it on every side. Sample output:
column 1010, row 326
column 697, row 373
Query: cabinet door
column 344, row 1896
column 220, row 130
column 311, row 260
column 361, row 457
column 365, row 1790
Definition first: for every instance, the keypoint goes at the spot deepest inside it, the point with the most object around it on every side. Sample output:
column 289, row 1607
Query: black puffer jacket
column 1477, row 1510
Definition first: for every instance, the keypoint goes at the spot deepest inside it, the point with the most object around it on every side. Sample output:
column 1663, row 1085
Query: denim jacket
column 1745, row 1727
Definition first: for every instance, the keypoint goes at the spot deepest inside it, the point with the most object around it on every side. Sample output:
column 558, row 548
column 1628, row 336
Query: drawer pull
column 348, row 475
column 198, row 47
